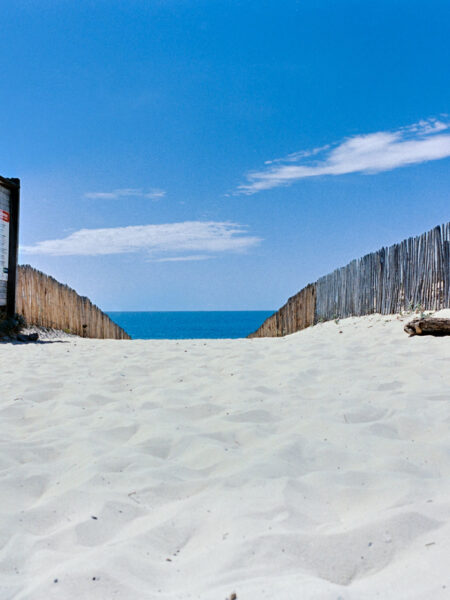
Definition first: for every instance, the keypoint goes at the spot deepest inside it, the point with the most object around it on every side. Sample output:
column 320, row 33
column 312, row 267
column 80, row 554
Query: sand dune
column 315, row 466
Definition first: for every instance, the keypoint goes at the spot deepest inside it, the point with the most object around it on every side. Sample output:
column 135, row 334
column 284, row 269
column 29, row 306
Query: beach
column 313, row 466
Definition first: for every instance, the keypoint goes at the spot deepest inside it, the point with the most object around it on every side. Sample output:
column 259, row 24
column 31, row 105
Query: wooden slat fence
column 45, row 302
column 296, row 314
column 412, row 274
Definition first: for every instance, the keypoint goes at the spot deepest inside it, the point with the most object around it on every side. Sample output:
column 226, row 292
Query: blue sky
column 183, row 155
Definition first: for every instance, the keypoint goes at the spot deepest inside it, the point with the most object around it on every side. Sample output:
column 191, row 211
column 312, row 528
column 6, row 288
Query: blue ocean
column 190, row 325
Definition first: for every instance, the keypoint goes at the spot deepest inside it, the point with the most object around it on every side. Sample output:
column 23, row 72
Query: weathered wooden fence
column 296, row 314
column 45, row 302
column 413, row 273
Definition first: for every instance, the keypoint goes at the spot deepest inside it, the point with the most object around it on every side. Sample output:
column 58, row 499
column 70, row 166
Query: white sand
column 315, row 466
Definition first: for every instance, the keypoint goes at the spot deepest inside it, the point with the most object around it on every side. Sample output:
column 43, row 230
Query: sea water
column 190, row 325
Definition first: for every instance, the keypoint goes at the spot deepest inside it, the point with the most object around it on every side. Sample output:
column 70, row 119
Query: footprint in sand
column 365, row 414
column 252, row 416
column 389, row 386
column 98, row 528
column 118, row 435
column 20, row 493
column 384, row 431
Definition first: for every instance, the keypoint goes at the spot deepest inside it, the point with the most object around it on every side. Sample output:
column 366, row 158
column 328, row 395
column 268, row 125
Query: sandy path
column 315, row 466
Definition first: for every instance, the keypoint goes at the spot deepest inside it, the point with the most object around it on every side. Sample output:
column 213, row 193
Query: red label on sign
column 4, row 216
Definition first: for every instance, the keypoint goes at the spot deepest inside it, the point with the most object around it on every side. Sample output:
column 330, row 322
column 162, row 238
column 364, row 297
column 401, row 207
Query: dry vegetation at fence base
column 413, row 273
column 45, row 302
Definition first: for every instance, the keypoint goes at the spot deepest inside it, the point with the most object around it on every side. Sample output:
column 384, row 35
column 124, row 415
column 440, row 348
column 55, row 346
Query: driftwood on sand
column 427, row 326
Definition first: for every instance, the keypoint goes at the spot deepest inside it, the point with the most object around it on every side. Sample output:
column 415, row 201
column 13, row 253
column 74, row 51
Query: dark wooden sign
column 9, row 238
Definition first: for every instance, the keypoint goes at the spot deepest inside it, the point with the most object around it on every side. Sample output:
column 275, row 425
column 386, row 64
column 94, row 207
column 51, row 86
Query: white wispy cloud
column 194, row 238
column 189, row 257
column 153, row 194
column 371, row 153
